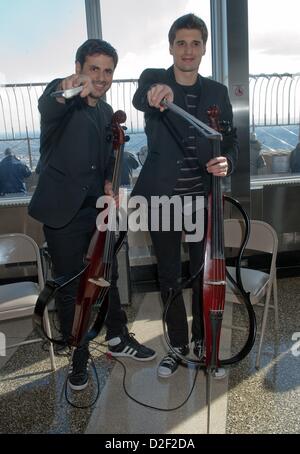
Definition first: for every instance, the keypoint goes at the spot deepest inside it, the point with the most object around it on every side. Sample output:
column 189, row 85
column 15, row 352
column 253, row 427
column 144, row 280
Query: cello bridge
column 215, row 282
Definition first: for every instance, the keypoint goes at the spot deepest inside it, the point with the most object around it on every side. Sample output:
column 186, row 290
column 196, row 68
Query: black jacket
column 166, row 133
column 72, row 159
column 12, row 175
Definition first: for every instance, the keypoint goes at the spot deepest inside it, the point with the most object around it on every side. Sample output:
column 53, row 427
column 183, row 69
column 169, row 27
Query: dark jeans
column 67, row 248
column 167, row 247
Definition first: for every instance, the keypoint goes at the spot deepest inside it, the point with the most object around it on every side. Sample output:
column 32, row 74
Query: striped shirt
column 190, row 180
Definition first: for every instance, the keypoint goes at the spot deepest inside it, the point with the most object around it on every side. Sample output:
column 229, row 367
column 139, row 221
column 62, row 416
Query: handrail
column 274, row 101
column 19, row 113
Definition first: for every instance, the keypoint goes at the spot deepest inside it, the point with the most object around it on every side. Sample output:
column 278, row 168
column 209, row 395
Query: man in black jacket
column 12, row 174
column 75, row 168
column 180, row 164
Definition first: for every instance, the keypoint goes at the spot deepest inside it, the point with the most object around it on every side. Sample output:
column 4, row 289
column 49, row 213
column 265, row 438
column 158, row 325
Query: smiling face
column 187, row 51
column 100, row 68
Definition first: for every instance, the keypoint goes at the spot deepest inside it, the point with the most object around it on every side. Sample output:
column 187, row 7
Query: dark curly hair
column 95, row 46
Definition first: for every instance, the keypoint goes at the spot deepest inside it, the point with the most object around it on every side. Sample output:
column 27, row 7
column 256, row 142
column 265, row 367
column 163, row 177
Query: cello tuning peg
column 127, row 138
column 124, row 128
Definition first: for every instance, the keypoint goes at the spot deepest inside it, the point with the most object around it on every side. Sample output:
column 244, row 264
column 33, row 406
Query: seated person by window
column 295, row 159
column 257, row 162
column 12, row 174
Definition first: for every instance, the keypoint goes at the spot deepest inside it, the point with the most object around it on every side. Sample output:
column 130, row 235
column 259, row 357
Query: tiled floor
column 264, row 401
column 268, row 400
column 143, row 384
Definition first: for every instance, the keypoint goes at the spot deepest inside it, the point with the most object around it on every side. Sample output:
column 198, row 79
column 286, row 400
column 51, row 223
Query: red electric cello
column 214, row 266
column 95, row 278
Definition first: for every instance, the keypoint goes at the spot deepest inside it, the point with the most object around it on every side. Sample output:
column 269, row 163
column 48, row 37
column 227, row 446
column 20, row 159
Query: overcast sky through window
column 39, row 38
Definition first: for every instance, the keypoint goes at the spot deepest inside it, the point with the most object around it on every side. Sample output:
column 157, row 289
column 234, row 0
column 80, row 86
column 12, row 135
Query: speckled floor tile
column 267, row 401
column 264, row 401
column 32, row 397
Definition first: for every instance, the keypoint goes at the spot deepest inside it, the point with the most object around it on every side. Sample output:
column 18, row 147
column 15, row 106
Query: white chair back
column 263, row 238
column 17, row 299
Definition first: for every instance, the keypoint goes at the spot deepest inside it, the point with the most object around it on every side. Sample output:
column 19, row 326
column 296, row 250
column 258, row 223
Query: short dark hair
column 8, row 152
column 95, row 46
column 189, row 21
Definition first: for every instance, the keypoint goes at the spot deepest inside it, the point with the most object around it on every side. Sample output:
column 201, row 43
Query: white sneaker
column 219, row 373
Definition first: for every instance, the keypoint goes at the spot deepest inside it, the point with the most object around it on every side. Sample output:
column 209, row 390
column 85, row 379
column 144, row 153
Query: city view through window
column 274, row 66
column 34, row 55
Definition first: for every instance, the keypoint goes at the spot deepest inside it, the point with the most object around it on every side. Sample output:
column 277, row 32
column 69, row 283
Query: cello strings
column 110, row 237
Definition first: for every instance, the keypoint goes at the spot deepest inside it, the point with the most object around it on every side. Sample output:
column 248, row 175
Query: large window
column 39, row 39
column 38, row 43
column 274, row 37
column 139, row 31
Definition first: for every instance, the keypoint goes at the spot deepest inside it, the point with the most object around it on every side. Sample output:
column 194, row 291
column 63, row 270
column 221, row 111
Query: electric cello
column 95, row 278
column 213, row 268
column 92, row 298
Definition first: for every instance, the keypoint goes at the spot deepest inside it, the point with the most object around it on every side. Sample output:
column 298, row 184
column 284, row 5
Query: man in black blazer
column 180, row 163
column 75, row 168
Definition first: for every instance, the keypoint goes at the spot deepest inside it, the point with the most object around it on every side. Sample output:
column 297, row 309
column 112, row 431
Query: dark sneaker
column 131, row 348
column 199, row 348
column 169, row 364
column 78, row 376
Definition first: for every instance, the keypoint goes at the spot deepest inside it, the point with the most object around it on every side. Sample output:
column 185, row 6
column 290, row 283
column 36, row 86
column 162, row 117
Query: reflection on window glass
column 37, row 45
column 274, row 88
column 140, row 35
column 140, row 32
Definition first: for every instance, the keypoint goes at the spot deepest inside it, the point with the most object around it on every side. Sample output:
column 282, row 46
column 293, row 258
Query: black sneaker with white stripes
column 169, row 364
column 131, row 348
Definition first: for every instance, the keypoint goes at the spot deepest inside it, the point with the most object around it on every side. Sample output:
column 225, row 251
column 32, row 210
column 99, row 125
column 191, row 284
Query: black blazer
column 166, row 133
column 68, row 163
